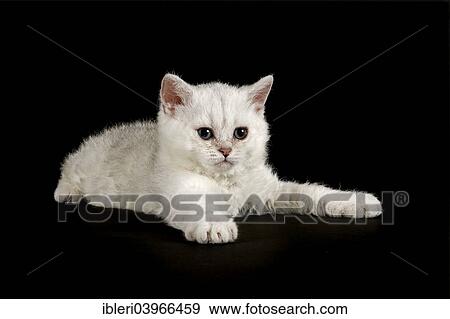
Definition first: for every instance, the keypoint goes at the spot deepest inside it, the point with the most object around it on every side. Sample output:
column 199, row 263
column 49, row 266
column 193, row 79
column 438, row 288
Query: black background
column 382, row 128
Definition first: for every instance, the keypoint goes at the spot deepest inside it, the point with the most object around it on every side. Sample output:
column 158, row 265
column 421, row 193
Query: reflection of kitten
column 208, row 139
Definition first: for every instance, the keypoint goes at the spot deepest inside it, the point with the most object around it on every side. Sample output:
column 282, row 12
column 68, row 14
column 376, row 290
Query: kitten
column 208, row 139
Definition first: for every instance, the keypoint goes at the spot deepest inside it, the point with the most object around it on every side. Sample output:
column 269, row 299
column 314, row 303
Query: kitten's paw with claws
column 364, row 205
column 212, row 233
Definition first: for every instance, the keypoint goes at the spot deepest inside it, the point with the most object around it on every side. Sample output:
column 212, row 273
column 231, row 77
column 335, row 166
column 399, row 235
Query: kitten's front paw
column 367, row 206
column 213, row 233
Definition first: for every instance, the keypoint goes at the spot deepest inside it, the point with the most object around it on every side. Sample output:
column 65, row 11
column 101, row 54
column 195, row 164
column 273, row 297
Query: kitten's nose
column 225, row 151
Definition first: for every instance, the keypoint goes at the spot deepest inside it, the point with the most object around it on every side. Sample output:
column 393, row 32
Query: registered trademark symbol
column 401, row 199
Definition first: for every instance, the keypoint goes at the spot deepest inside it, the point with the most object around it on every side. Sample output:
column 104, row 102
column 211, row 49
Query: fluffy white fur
column 168, row 157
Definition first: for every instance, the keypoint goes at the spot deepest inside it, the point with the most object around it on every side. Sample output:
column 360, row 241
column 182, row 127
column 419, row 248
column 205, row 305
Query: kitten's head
column 215, row 126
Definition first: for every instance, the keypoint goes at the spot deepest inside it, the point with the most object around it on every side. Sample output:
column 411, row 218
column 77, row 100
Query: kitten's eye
column 240, row 133
column 205, row 133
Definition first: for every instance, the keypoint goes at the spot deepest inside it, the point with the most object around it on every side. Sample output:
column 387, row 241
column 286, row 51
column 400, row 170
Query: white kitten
column 208, row 139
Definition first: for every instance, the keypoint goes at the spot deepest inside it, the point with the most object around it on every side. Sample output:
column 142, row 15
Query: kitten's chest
column 229, row 184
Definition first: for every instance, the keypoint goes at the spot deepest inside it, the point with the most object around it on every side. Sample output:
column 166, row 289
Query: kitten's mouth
column 224, row 163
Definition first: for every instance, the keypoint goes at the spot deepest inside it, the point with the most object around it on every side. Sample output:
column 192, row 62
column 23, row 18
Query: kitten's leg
column 81, row 176
column 325, row 201
column 201, row 228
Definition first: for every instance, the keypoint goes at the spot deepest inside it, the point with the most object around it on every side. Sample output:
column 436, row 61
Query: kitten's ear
column 174, row 93
column 260, row 91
